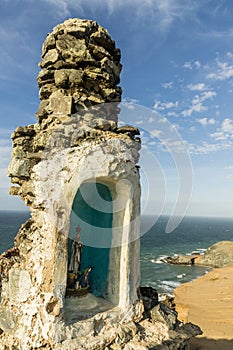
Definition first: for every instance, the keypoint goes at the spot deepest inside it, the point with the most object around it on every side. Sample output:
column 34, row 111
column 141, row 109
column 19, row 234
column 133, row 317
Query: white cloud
column 172, row 114
column 15, row 62
column 206, row 121
column 219, row 35
column 62, row 7
column 197, row 64
column 197, row 103
column 176, row 127
column 207, row 95
column 188, row 65
column 192, row 128
column 192, row 65
column 223, row 71
column 129, row 103
column 162, row 12
column 156, row 133
column 219, row 136
column 161, row 106
column 197, row 87
column 177, row 146
column 225, row 132
column 151, row 120
column 227, row 126
column 162, row 120
column 139, row 122
column 127, row 100
column 168, row 85
column 5, row 181
column 5, row 133
column 195, row 107
column 5, row 156
column 5, row 148
column 206, row 148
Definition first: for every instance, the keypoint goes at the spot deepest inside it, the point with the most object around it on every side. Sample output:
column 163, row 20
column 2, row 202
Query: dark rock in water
column 181, row 259
column 149, row 297
column 218, row 255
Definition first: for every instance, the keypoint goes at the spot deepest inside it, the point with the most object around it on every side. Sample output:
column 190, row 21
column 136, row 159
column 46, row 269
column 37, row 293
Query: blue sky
column 177, row 58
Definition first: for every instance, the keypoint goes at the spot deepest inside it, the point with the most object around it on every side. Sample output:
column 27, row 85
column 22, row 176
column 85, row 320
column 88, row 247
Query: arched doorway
column 92, row 212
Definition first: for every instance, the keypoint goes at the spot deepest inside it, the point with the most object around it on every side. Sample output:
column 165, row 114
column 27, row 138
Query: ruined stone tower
column 75, row 167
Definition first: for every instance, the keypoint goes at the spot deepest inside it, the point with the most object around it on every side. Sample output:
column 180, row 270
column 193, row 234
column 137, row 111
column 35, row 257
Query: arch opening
column 91, row 237
column 96, row 268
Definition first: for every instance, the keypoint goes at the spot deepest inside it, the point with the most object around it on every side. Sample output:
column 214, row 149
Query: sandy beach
column 208, row 302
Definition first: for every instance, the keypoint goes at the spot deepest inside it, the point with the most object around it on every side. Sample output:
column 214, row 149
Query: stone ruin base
column 157, row 328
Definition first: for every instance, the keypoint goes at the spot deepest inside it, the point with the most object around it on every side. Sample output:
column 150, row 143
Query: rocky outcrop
column 181, row 259
column 218, row 255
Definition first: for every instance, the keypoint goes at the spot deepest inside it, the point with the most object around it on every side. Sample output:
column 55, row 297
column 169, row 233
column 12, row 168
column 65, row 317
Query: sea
column 193, row 234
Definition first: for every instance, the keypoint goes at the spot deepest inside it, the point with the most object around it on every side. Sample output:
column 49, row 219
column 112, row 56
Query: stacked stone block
column 80, row 68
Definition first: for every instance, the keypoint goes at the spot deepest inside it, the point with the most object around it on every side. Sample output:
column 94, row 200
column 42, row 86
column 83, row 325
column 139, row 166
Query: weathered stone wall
column 76, row 140
column 80, row 72
column 80, row 68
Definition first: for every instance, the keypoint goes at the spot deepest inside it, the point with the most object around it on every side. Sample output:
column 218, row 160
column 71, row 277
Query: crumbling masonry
column 76, row 157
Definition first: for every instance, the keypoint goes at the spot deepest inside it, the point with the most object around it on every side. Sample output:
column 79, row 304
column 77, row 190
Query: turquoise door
column 92, row 211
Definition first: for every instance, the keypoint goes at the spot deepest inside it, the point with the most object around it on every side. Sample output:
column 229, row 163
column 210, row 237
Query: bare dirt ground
column 208, row 302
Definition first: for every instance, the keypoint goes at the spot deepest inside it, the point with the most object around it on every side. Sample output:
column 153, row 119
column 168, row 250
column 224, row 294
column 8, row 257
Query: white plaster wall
column 56, row 180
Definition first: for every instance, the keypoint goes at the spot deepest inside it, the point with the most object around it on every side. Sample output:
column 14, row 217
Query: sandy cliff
column 208, row 302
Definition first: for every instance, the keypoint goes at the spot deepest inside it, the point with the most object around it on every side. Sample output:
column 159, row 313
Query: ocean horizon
column 193, row 234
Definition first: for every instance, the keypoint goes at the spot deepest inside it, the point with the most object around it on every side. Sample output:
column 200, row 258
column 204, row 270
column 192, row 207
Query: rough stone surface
column 181, row 259
column 150, row 299
column 164, row 314
column 76, row 140
column 19, row 285
column 218, row 255
column 80, row 68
